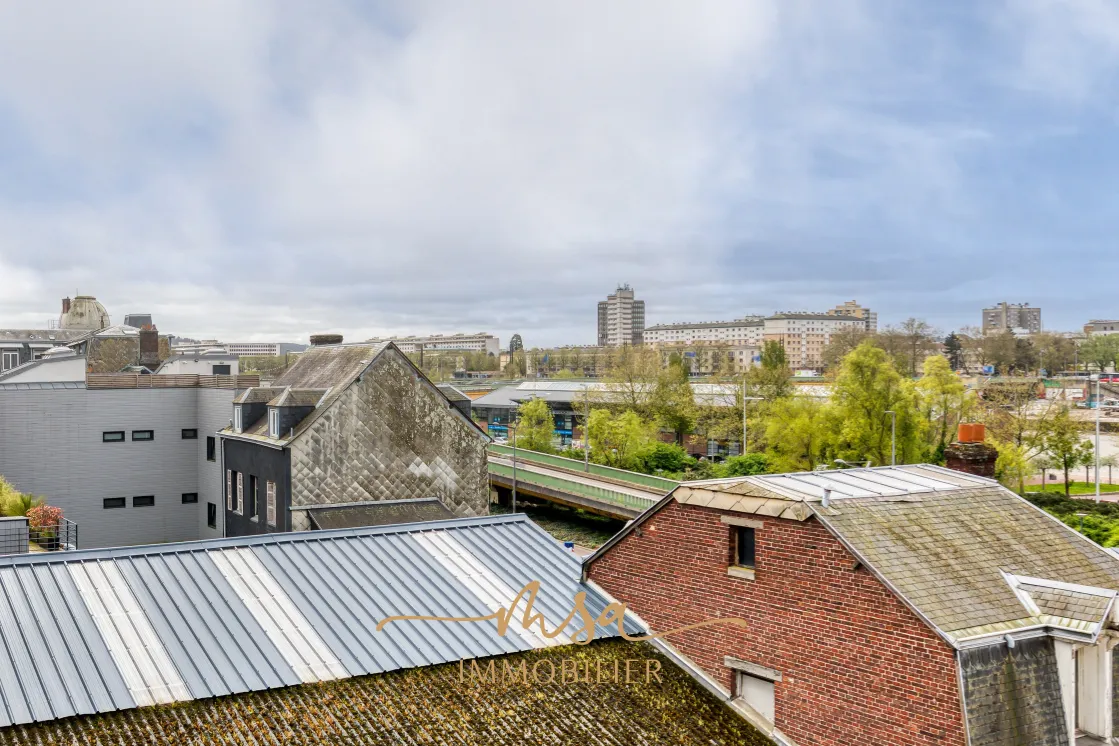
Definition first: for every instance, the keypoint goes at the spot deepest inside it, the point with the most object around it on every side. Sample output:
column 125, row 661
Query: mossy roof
column 433, row 706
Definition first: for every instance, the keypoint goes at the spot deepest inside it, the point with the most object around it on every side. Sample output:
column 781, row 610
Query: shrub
column 44, row 517
column 745, row 465
column 666, row 457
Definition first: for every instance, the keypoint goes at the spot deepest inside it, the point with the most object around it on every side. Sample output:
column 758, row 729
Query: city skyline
column 363, row 170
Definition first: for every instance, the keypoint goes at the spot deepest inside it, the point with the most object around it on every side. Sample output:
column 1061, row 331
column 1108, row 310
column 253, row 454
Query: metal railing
column 61, row 537
column 645, row 481
column 592, row 492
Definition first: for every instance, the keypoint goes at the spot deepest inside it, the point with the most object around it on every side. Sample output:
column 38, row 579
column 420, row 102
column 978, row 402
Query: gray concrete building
column 1019, row 318
column 621, row 319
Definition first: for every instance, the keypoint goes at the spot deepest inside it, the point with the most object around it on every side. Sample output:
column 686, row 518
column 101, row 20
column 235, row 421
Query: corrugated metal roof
column 100, row 630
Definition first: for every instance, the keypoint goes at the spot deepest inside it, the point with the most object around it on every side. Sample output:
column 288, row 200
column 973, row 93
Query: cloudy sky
column 265, row 170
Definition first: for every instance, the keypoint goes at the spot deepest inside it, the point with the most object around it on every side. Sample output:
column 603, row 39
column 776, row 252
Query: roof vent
column 326, row 339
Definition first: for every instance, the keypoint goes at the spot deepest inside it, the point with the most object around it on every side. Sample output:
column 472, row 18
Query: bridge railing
column 646, row 481
column 592, row 492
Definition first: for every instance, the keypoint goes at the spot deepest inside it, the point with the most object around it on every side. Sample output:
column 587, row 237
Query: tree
column 772, row 379
column 954, row 351
column 1101, row 350
column 672, row 402
column 535, row 426
column 799, row 430
column 620, row 440
column 840, row 344
column 517, row 367
column 867, row 387
column 1001, row 350
column 631, row 378
column 1055, row 353
column 667, row 457
column 515, row 344
column 745, row 465
column 1062, row 443
column 920, row 341
column 944, row 402
column 1012, row 465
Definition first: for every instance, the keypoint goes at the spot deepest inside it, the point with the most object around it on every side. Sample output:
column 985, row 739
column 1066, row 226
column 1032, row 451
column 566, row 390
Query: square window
column 211, row 515
column 190, row 498
column 143, row 501
column 758, row 693
column 143, row 435
column 211, row 448
column 190, row 434
column 744, row 546
column 112, row 436
column 114, row 502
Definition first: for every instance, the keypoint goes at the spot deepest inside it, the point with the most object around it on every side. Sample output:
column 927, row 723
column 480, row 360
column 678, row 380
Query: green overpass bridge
column 604, row 490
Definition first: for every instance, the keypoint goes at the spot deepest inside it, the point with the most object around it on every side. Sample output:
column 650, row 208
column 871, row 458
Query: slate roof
column 258, row 395
column 59, row 336
column 431, row 706
column 298, row 398
column 945, row 552
column 378, row 513
column 101, row 630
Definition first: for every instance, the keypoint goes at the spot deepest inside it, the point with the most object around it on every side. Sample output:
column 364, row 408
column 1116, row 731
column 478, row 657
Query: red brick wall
column 858, row 667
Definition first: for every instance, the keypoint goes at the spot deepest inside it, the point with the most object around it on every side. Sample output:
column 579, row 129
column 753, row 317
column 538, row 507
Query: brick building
column 908, row 605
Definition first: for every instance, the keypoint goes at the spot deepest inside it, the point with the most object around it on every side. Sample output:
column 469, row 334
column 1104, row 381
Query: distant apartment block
column 254, row 349
column 480, row 342
column 741, row 332
column 805, row 335
column 1020, row 318
column 621, row 319
column 854, row 310
column 1101, row 326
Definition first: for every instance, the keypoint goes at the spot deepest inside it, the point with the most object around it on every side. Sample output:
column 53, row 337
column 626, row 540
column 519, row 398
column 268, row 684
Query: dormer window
column 273, row 422
column 236, row 419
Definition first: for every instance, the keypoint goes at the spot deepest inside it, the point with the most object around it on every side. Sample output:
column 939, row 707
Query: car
column 500, row 440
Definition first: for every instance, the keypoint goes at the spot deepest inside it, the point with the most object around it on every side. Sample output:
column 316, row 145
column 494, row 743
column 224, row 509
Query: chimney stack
column 970, row 453
column 149, row 348
column 65, row 305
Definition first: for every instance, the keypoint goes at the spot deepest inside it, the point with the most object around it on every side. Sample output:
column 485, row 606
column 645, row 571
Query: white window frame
column 273, row 422
column 240, row 507
column 758, row 693
column 270, row 503
column 237, row 419
column 229, row 489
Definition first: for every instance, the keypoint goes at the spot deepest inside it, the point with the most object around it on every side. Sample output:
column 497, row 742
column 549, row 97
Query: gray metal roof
column 43, row 385
column 101, row 630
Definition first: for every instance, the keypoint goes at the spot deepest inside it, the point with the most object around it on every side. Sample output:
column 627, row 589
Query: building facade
column 1019, row 318
column 621, row 319
column 480, row 342
column 261, row 349
column 347, row 425
column 805, row 335
column 854, row 310
column 746, row 332
column 1101, row 326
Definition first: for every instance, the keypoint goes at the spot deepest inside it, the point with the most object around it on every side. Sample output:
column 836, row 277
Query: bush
column 44, row 517
column 666, row 457
column 14, row 504
column 745, row 465
column 1101, row 524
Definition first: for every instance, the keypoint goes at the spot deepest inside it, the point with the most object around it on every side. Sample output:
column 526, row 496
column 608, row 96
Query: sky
column 248, row 170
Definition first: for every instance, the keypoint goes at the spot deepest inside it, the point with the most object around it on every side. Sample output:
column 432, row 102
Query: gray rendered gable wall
column 1012, row 696
column 390, row 436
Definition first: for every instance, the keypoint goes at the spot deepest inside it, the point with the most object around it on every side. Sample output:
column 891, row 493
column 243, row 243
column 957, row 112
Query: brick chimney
column 149, row 348
column 970, row 454
column 65, row 305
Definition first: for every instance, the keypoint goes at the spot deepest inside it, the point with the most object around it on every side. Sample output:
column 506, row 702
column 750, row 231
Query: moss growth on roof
column 433, row 706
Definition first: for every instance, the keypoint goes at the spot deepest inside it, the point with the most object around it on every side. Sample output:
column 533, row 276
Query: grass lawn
column 1074, row 488
column 567, row 524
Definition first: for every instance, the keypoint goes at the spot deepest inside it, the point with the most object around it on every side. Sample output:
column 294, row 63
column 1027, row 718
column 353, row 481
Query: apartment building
column 745, row 332
column 854, row 310
column 621, row 319
column 1101, row 326
column 480, row 342
column 805, row 335
column 1019, row 318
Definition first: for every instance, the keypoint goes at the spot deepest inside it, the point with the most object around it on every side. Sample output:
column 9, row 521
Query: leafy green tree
column 944, row 402
column 1055, row 353
column 867, row 387
column 920, row 341
column 535, row 426
column 1062, row 442
column 772, row 379
column 840, row 344
column 1101, row 350
column 631, row 378
column 672, row 402
column 1012, row 465
column 667, row 457
column 954, row 351
column 517, row 367
column 799, row 430
column 620, row 440
column 745, row 465
column 515, row 344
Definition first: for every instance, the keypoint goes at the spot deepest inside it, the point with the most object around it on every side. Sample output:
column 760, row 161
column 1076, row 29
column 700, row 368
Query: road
column 584, row 479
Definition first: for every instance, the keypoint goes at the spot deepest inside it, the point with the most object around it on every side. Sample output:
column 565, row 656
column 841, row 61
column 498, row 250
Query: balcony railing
column 17, row 537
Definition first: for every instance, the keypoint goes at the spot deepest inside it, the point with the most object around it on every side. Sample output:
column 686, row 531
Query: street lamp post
column 893, row 436
column 586, row 434
column 513, row 430
column 744, row 400
column 1098, row 402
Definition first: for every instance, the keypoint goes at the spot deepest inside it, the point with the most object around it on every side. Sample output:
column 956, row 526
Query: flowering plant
column 44, row 517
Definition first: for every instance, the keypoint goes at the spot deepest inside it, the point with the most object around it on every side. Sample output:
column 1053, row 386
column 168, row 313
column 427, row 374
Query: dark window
column 190, row 434
column 211, row 515
column 143, row 501
column 211, row 447
column 744, row 546
column 221, row 370
column 252, row 497
column 143, row 434
column 190, row 497
column 114, row 502
column 113, row 436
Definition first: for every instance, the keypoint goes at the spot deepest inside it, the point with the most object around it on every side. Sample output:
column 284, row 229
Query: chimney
column 65, row 305
column 326, row 339
column 149, row 348
column 970, row 453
